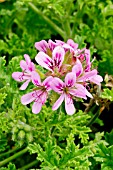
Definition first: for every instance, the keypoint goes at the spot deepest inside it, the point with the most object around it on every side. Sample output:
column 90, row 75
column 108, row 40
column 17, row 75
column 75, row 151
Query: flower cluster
column 68, row 73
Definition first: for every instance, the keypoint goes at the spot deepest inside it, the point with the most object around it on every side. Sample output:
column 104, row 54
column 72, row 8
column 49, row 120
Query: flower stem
column 97, row 114
column 31, row 164
column 2, row 163
column 89, row 105
column 51, row 23
column 9, row 152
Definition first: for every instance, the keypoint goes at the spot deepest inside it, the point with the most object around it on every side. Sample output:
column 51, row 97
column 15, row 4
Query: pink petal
column 30, row 65
column 51, row 44
column 87, row 54
column 42, row 46
column 23, row 65
column 79, row 91
column 58, row 56
column 68, row 47
column 57, row 85
column 36, row 107
column 59, row 42
column 88, row 63
column 69, row 106
column 27, row 58
column 37, row 95
column 96, row 79
column 47, row 83
column 43, row 97
column 87, row 75
column 72, row 44
column 18, row 76
column 77, row 68
column 70, row 79
column 44, row 60
column 24, row 85
column 88, row 94
column 27, row 98
column 36, row 79
column 58, row 102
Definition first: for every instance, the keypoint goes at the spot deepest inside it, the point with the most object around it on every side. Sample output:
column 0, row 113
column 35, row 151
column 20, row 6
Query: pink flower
column 69, row 45
column 52, row 64
column 25, row 76
column 39, row 96
column 85, row 58
column 68, row 90
column 42, row 46
column 83, row 76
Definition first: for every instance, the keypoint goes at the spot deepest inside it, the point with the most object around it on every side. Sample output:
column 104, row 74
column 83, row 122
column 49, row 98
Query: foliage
column 53, row 140
column 107, row 94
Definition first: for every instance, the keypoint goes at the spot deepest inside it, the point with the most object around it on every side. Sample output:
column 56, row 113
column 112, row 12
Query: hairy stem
column 2, row 163
column 96, row 115
column 67, row 22
column 9, row 152
column 51, row 23
column 31, row 164
column 91, row 102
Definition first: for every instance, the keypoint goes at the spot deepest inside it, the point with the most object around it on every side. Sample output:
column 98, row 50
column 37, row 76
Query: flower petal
column 68, row 47
column 87, row 75
column 88, row 63
column 58, row 102
column 88, row 94
column 51, row 44
column 47, row 83
column 24, row 85
column 27, row 58
column 44, row 60
column 36, row 79
column 43, row 97
column 72, row 44
column 58, row 56
column 23, row 65
column 77, row 68
column 79, row 91
column 57, row 85
column 36, row 107
column 31, row 67
column 69, row 106
column 18, row 76
column 87, row 54
column 59, row 42
column 70, row 79
column 42, row 46
column 27, row 98
column 96, row 79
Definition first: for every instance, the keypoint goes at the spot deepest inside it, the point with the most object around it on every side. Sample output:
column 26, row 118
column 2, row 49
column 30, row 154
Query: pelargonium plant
column 68, row 74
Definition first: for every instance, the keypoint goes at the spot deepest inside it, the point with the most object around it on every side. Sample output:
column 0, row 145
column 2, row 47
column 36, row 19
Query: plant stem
column 66, row 23
column 2, row 163
column 29, row 165
column 89, row 105
column 51, row 23
column 8, row 152
column 97, row 114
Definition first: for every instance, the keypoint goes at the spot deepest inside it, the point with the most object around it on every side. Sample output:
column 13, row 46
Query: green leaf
column 2, row 98
column 105, row 156
column 10, row 167
column 109, row 137
column 107, row 94
column 3, row 141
